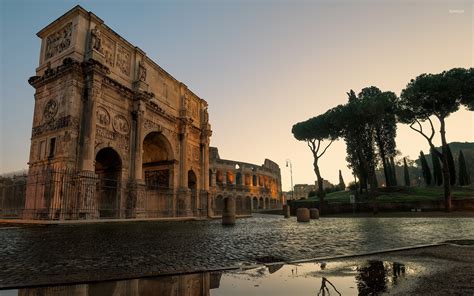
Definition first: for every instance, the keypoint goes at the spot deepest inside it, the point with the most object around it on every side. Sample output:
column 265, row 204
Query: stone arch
column 248, row 204
column 219, row 177
column 211, row 175
column 157, row 161
column 157, row 172
column 218, row 205
column 192, row 185
column 255, row 203
column 108, row 167
column 261, row 203
column 238, row 178
column 254, row 180
column 239, row 205
column 230, row 178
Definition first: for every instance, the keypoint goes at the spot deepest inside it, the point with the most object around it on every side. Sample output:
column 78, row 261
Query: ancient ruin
column 254, row 187
column 115, row 136
column 115, row 133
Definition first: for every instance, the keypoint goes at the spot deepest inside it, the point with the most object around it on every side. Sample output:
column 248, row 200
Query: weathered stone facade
column 252, row 186
column 130, row 139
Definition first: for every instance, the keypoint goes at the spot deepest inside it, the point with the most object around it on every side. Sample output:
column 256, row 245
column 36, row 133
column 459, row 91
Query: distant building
column 303, row 190
column 253, row 186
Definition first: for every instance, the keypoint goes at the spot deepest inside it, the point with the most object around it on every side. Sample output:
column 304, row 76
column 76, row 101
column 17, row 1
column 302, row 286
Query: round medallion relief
column 50, row 109
column 120, row 124
column 103, row 117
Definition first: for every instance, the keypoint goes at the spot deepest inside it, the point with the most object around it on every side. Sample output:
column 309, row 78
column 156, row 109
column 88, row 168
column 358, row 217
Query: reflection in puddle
column 322, row 279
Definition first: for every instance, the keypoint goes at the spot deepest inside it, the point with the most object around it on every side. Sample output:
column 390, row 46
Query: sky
column 261, row 65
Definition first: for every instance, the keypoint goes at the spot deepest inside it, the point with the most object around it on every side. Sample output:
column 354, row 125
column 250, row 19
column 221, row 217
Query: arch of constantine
column 115, row 136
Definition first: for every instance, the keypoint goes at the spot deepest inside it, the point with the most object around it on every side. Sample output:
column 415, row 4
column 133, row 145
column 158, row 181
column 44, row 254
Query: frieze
column 121, row 125
column 120, row 140
column 149, row 125
column 59, row 41
column 54, row 125
column 108, row 47
column 123, row 90
column 103, row 117
column 123, row 60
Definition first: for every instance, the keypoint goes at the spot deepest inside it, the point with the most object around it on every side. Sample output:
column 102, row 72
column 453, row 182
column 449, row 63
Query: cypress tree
column 425, row 169
column 437, row 171
column 463, row 174
column 452, row 170
column 342, row 185
column 406, row 173
column 394, row 172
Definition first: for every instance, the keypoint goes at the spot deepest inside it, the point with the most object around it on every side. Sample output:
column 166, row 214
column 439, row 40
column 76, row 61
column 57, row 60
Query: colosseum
column 254, row 187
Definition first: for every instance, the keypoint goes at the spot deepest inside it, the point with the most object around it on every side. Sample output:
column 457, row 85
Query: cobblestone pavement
column 77, row 253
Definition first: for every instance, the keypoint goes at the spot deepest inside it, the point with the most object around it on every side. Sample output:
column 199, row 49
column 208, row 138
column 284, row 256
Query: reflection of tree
column 324, row 290
column 372, row 278
column 398, row 271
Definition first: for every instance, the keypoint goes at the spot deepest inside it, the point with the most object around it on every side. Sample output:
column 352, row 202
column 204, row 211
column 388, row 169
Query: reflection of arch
column 108, row 167
column 157, row 161
column 238, row 178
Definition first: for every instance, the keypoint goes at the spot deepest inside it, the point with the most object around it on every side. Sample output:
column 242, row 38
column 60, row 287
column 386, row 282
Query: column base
column 136, row 202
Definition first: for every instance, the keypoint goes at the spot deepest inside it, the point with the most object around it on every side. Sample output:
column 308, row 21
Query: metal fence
column 54, row 194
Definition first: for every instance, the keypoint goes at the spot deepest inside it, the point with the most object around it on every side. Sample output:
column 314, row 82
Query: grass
column 401, row 194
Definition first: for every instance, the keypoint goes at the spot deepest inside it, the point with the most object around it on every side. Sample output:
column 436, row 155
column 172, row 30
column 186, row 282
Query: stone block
column 302, row 215
column 313, row 213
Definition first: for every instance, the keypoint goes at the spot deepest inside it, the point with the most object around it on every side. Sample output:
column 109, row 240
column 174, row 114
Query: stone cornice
column 52, row 74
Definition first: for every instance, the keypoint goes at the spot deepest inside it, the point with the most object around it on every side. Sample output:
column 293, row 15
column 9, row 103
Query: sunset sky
column 261, row 65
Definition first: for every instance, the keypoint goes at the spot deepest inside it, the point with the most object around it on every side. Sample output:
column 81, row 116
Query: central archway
column 108, row 167
column 157, row 167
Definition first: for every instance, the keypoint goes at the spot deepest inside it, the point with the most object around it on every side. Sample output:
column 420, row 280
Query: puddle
column 312, row 278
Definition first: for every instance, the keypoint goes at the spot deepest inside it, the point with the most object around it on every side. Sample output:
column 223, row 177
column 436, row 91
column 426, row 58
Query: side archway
column 108, row 167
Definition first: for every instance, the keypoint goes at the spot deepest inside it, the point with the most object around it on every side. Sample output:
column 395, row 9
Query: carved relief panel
column 59, row 41
column 123, row 60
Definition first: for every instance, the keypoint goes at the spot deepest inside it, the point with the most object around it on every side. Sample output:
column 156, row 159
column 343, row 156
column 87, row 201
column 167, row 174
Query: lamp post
column 288, row 163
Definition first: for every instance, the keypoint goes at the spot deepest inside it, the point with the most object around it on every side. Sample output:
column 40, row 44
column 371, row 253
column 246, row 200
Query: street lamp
column 288, row 163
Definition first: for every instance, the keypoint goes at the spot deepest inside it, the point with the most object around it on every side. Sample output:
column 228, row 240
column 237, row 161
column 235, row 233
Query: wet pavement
column 81, row 253
column 360, row 277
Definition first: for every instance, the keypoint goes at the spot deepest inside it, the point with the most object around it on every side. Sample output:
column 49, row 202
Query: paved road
column 77, row 253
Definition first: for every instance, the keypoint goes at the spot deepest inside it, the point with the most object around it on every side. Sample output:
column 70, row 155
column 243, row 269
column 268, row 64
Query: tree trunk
column 386, row 173
column 446, row 176
column 320, row 185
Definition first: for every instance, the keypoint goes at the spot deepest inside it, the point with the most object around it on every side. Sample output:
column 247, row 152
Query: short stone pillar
column 228, row 214
column 286, row 211
column 302, row 215
column 314, row 213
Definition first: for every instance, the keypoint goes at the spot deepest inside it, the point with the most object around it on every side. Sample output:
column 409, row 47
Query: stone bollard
column 302, row 215
column 314, row 213
column 286, row 211
column 228, row 214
